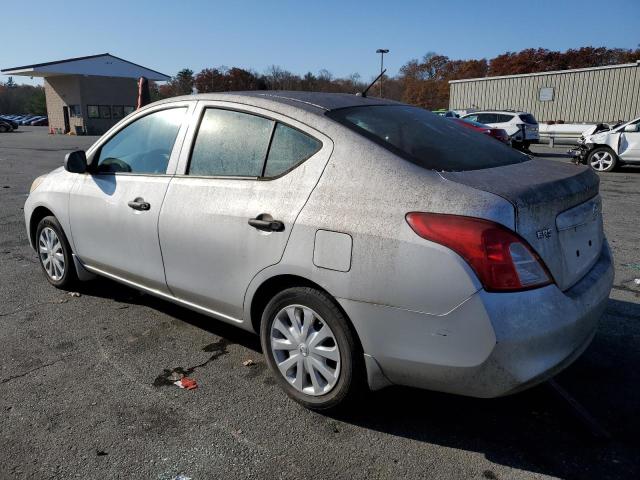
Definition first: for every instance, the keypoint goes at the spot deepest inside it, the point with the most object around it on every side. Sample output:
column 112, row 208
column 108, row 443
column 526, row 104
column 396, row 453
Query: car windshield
column 426, row 139
column 528, row 118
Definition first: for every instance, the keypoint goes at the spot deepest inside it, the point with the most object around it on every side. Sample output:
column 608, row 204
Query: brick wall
column 67, row 90
column 61, row 91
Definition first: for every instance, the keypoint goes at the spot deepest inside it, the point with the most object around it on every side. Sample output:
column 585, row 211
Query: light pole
column 381, row 51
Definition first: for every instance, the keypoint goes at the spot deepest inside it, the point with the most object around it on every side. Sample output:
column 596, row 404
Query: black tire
column 598, row 151
column 69, row 277
column 351, row 377
column 3, row 129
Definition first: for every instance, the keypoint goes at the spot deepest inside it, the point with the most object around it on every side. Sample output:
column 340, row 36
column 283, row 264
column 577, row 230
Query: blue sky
column 304, row 35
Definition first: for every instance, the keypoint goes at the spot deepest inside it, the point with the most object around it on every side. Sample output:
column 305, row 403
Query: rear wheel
column 54, row 253
column 602, row 159
column 4, row 128
column 311, row 349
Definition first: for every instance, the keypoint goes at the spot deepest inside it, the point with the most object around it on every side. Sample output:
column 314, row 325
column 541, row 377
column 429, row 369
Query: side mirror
column 631, row 128
column 75, row 162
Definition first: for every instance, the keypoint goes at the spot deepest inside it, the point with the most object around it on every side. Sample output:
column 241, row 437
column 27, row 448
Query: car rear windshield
column 426, row 139
column 528, row 118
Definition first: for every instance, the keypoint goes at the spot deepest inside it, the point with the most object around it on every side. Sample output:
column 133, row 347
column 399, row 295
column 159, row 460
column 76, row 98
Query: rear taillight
column 501, row 259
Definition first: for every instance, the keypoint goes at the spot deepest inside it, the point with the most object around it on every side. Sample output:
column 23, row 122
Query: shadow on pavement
column 535, row 430
column 105, row 288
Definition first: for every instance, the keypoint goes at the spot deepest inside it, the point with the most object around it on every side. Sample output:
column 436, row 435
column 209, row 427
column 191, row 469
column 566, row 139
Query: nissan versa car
column 368, row 242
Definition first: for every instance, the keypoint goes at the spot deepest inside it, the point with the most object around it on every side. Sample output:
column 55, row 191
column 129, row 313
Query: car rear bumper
column 492, row 344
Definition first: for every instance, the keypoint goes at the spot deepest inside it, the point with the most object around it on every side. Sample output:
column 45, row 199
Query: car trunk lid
column 558, row 211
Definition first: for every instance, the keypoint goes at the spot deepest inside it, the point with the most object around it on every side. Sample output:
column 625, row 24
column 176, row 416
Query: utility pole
column 381, row 51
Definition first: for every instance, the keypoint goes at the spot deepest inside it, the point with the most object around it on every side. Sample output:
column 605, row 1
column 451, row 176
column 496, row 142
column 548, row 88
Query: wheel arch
column 38, row 214
column 277, row 283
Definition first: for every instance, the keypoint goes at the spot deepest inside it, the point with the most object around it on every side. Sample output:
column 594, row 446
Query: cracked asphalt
column 85, row 382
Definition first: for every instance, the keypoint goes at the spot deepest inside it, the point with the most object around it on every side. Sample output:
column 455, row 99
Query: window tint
column 528, row 118
column 426, row 139
column 143, row 146
column 502, row 118
column 487, row 118
column 230, row 144
column 289, row 147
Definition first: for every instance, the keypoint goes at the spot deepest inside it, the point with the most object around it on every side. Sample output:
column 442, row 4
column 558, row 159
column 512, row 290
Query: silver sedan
column 368, row 242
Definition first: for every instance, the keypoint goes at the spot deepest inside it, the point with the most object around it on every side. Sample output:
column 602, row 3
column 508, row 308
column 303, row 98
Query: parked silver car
column 367, row 241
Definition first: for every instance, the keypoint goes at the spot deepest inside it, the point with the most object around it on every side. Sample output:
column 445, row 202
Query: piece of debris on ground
column 74, row 294
column 248, row 363
column 186, row 383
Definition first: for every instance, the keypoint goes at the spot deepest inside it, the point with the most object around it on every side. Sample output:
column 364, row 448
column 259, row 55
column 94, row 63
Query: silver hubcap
column 51, row 254
column 305, row 350
column 601, row 160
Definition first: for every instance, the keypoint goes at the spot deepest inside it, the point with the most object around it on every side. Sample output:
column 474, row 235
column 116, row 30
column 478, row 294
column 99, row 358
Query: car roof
column 506, row 112
column 313, row 102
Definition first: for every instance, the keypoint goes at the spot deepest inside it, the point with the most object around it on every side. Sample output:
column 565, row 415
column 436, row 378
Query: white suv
column 522, row 127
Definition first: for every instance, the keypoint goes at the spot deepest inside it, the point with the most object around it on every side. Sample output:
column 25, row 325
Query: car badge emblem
column 543, row 233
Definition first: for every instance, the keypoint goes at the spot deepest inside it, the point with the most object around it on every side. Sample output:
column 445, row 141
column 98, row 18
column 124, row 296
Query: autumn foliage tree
column 426, row 82
column 423, row 82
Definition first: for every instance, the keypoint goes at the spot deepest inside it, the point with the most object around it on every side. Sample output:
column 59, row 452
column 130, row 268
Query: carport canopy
column 102, row 65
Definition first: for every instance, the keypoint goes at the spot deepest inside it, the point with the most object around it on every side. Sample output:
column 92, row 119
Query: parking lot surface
column 84, row 388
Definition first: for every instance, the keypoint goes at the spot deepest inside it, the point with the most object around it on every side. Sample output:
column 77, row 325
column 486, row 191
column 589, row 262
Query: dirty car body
column 622, row 142
column 460, row 264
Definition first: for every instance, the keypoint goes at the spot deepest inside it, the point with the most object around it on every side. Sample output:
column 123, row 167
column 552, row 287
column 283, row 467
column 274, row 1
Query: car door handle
column 265, row 223
column 139, row 204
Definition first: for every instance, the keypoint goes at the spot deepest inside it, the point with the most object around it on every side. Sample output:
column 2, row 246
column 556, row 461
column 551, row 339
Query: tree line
column 423, row 82
column 16, row 98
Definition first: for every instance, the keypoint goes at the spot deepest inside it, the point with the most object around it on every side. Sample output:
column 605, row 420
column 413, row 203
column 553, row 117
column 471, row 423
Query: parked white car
column 522, row 127
column 604, row 149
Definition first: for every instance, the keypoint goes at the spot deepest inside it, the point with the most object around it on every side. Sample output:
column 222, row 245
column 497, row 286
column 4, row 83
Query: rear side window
column 425, row 139
column 528, row 118
column 289, row 148
column 230, row 144
column 503, row 118
column 143, row 146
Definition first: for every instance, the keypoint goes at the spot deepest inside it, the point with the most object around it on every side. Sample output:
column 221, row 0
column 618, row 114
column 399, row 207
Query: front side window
column 428, row 140
column 230, row 144
column 289, row 148
column 143, row 146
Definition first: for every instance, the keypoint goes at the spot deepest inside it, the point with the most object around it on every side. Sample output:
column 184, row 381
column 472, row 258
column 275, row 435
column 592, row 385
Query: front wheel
column 311, row 349
column 602, row 159
column 54, row 253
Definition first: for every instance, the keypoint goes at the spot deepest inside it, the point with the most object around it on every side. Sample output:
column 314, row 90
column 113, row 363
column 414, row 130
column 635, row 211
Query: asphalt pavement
column 85, row 390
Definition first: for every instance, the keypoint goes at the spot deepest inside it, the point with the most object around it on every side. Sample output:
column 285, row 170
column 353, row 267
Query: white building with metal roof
column 88, row 94
column 590, row 95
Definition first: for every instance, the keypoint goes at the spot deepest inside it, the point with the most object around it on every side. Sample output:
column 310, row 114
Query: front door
column 231, row 211
column 65, row 116
column 629, row 144
column 114, row 209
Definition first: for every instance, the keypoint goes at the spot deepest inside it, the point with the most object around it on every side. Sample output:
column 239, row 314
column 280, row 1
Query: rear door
column 114, row 209
column 239, row 165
